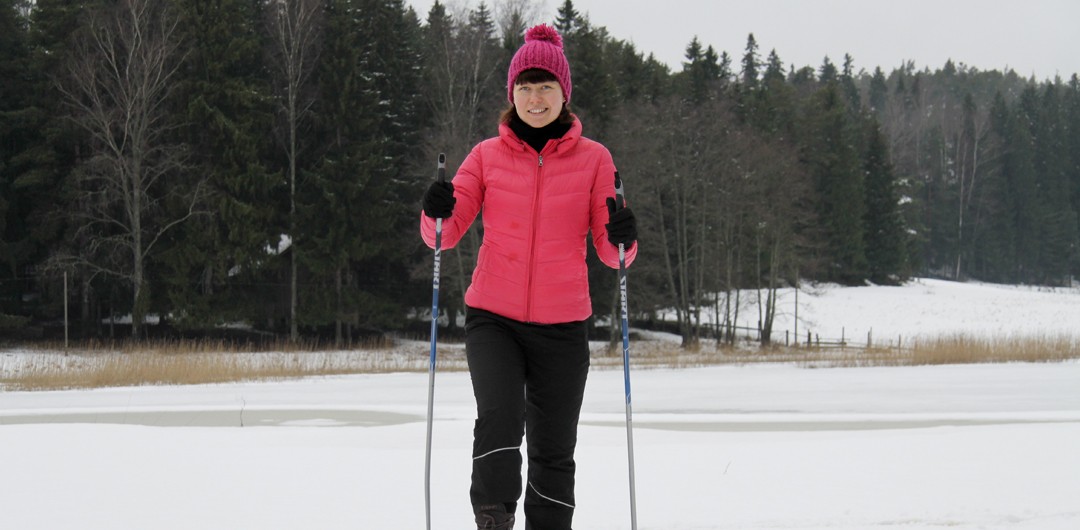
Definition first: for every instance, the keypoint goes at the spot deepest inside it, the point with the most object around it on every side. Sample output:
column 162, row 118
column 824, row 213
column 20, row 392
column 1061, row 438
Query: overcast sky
column 1032, row 37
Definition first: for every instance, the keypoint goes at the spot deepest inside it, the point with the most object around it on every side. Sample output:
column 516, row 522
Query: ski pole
column 441, row 175
column 620, row 202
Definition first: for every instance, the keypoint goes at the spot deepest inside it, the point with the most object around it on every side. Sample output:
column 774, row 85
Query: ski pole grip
column 620, row 197
column 442, row 168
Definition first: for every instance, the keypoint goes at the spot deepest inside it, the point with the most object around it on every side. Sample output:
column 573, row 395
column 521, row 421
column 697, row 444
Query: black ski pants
column 528, row 379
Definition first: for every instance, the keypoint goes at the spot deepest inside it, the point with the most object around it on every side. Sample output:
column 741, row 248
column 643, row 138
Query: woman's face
column 538, row 104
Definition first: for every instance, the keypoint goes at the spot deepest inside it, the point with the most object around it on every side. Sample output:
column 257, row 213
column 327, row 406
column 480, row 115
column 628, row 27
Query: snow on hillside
column 923, row 308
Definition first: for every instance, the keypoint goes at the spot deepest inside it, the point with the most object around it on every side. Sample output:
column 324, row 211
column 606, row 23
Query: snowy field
column 733, row 447
column 919, row 309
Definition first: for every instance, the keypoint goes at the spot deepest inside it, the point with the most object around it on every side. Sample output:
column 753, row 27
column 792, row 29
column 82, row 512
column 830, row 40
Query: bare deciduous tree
column 132, row 188
column 513, row 17
column 970, row 154
column 294, row 33
column 776, row 186
column 674, row 154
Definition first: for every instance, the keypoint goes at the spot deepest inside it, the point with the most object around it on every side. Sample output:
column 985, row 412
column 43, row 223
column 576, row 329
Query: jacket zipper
column 532, row 243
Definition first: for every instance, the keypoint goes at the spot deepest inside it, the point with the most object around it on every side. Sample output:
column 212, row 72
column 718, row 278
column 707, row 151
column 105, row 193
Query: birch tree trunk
column 294, row 32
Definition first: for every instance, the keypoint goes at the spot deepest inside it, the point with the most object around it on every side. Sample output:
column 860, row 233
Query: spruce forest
column 186, row 167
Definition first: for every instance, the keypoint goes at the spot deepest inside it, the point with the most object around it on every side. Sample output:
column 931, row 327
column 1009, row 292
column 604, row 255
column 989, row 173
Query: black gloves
column 621, row 226
column 439, row 200
column 439, row 203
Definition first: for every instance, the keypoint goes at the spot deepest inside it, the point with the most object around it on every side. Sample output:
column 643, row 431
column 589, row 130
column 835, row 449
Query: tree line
column 260, row 162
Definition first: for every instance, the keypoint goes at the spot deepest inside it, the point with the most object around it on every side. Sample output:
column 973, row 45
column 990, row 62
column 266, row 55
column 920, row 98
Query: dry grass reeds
column 962, row 349
column 208, row 362
column 210, row 345
column 202, row 362
column 950, row 349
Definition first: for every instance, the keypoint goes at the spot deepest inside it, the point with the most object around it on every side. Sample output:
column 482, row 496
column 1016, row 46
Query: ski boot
column 493, row 517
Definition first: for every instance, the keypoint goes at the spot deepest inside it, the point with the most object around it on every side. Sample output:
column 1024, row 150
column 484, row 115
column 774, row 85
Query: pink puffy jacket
column 538, row 210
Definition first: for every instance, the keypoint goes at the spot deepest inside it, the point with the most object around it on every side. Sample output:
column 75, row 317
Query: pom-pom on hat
column 543, row 49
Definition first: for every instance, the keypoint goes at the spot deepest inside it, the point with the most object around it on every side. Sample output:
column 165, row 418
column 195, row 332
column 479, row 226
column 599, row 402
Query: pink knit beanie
column 543, row 49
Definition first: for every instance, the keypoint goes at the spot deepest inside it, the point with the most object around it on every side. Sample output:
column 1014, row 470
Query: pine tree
column 14, row 70
column 827, row 72
column 774, row 70
column 15, row 138
column 692, row 54
column 1072, row 149
column 750, row 64
column 828, row 148
column 879, row 92
column 994, row 256
column 1057, row 220
column 392, row 55
column 1022, row 185
column 771, row 109
column 701, row 71
column 567, row 19
column 349, row 202
column 214, row 264
column 332, row 200
column 595, row 94
column 884, row 229
column 847, row 85
column 630, row 70
column 440, row 67
column 54, row 145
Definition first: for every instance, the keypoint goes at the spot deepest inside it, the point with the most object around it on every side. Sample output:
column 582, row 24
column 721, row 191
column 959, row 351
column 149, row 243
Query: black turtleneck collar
column 537, row 137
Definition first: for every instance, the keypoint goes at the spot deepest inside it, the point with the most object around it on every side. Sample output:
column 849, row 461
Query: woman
column 542, row 188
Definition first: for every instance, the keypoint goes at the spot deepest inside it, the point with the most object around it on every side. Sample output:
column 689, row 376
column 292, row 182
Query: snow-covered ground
column 921, row 308
column 747, row 447
column 968, row 447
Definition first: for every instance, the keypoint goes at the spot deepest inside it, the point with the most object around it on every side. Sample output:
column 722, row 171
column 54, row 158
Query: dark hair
column 536, row 75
